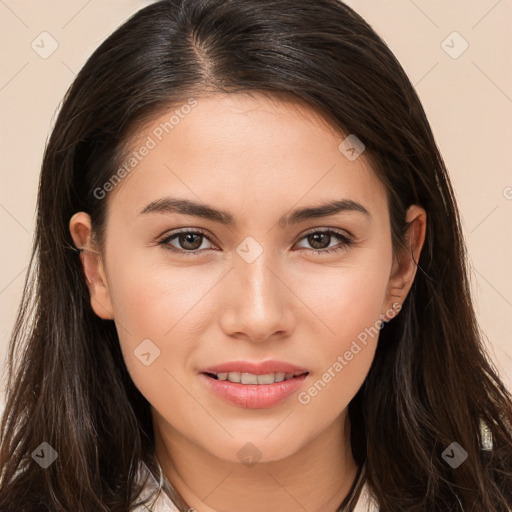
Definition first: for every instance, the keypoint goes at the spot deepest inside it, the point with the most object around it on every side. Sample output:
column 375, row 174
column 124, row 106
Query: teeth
column 270, row 378
column 251, row 378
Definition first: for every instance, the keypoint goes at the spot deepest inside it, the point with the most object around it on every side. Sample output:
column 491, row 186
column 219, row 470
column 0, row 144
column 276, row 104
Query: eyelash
column 346, row 243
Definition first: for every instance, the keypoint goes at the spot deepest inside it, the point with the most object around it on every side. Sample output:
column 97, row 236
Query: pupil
column 315, row 241
column 186, row 239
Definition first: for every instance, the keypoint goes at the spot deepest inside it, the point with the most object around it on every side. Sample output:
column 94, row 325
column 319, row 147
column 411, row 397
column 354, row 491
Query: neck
column 317, row 477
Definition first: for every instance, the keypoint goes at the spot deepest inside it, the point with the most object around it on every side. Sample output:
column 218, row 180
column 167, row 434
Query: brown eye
column 185, row 242
column 321, row 239
column 190, row 241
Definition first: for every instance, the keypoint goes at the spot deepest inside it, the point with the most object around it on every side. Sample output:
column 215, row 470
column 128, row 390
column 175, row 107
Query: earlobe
column 92, row 264
column 406, row 262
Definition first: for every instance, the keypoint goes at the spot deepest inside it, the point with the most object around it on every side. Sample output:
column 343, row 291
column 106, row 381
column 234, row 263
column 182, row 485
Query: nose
column 258, row 301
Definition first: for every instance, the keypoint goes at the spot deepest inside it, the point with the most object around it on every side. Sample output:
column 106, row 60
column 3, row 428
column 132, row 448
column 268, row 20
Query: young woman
column 249, row 288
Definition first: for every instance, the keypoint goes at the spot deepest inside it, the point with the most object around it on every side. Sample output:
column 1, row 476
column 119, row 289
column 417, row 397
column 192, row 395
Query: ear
column 405, row 261
column 80, row 229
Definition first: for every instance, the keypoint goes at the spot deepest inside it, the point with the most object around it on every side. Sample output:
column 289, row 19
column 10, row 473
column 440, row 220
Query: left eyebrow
column 323, row 210
column 187, row 207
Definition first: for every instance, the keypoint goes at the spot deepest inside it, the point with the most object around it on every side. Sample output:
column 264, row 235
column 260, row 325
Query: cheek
column 344, row 355
column 151, row 300
column 156, row 311
column 349, row 301
column 348, row 298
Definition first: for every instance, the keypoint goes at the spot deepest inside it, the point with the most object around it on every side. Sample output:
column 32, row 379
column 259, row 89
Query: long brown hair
column 431, row 380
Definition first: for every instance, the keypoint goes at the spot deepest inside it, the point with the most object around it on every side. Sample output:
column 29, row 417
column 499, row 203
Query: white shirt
column 162, row 503
column 365, row 503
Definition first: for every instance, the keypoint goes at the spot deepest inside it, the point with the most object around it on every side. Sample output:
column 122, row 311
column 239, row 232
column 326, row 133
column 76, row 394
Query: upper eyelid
column 179, row 231
column 337, row 231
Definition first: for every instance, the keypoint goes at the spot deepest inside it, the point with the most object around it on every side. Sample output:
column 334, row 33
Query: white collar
column 365, row 503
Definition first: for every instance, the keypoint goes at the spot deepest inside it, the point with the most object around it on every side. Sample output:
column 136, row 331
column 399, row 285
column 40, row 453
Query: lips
column 254, row 385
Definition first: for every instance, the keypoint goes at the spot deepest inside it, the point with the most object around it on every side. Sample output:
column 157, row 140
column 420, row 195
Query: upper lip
column 256, row 368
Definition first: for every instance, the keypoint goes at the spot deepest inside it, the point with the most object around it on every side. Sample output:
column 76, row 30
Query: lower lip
column 254, row 396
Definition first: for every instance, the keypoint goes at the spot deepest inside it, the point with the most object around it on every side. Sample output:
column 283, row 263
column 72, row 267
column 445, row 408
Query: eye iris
column 185, row 238
column 314, row 239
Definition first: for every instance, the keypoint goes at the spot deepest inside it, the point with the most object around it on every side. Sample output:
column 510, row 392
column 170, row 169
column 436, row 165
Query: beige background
column 467, row 96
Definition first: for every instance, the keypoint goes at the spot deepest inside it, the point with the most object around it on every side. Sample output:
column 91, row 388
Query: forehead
column 245, row 149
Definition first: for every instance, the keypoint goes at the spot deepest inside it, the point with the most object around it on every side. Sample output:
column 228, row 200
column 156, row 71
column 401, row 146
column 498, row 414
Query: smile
column 252, row 391
column 252, row 378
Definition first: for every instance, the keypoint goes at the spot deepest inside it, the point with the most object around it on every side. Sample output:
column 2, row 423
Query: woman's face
column 256, row 289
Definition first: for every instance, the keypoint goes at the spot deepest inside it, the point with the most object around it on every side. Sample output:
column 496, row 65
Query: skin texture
column 256, row 158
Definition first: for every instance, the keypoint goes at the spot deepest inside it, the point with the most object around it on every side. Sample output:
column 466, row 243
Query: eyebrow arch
column 187, row 207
